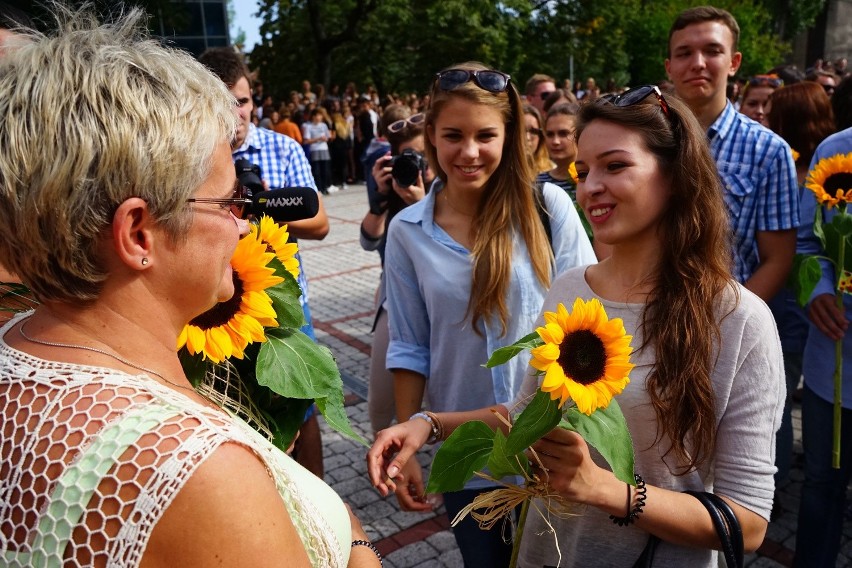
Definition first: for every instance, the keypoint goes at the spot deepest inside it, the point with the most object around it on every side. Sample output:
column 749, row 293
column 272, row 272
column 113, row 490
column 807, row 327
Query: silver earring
column 144, row 260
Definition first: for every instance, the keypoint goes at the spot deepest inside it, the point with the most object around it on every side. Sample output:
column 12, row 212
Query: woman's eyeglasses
column 238, row 204
column 637, row 95
column 413, row 120
column 773, row 81
column 489, row 80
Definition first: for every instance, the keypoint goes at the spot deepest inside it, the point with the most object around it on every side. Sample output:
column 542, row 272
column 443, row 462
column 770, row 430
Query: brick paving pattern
column 343, row 280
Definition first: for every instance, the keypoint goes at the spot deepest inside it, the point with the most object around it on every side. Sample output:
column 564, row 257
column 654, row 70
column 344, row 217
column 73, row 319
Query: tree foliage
column 398, row 45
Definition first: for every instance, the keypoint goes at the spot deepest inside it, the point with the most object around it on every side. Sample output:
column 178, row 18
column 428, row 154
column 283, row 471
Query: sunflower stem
column 516, row 545
column 838, row 361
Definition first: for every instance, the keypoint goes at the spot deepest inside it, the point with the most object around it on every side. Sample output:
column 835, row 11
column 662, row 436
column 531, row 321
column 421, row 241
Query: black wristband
column 633, row 513
column 371, row 546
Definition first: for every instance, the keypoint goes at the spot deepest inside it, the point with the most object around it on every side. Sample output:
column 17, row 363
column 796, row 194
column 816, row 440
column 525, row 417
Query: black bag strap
column 727, row 526
column 538, row 197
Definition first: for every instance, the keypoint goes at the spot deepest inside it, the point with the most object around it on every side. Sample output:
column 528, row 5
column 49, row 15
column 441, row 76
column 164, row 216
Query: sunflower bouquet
column 583, row 359
column 248, row 355
column 831, row 182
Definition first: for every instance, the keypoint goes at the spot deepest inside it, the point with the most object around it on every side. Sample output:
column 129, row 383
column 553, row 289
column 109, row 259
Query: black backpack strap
column 538, row 197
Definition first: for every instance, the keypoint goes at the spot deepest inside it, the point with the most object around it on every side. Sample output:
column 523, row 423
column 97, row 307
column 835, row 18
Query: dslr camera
column 406, row 167
column 248, row 175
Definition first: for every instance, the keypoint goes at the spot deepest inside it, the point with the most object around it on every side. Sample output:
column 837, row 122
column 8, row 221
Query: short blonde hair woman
column 120, row 209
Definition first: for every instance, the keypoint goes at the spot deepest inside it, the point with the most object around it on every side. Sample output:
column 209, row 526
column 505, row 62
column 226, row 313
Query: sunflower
column 572, row 171
column 227, row 328
column 796, row 155
column 831, row 180
column 585, row 356
column 276, row 238
column 845, row 282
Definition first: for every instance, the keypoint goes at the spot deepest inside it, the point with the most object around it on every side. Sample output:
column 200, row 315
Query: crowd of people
column 679, row 206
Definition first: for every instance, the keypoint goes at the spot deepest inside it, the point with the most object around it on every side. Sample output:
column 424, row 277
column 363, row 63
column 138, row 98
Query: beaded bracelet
column 371, row 546
column 437, row 428
column 633, row 513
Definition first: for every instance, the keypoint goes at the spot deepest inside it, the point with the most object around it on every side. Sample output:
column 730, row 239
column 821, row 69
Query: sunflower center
column 840, row 180
column 582, row 356
column 222, row 312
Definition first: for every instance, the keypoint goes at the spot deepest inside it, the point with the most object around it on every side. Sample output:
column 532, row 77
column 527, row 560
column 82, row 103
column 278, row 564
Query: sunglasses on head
column 637, row 95
column 238, row 204
column 766, row 81
column 489, row 80
column 412, row 120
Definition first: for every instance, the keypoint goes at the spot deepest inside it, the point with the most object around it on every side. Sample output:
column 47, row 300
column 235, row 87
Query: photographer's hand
column 413, row 193
column 382, row 173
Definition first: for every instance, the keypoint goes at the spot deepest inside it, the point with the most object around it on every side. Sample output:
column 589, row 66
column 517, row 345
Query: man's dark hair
column 701, row 14
column 790, row 74
column 226, row 63
column 11, row 17
column 841, row 103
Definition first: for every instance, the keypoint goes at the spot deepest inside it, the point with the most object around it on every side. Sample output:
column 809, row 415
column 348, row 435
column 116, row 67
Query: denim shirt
column 428, row 288
column 818, row 359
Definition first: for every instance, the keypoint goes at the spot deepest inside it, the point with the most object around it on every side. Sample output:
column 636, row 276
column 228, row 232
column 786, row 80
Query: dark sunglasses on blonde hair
column 238, row 204
column 635, row 96
column 488, row 79
column 412, row 120
column 773, row 81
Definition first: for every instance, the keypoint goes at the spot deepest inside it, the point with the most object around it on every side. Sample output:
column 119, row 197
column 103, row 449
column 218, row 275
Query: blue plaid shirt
column 282, row 164
column 759, row 179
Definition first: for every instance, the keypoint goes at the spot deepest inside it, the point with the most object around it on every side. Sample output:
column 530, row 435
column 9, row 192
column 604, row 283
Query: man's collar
column 723, row 123
column 251, row 140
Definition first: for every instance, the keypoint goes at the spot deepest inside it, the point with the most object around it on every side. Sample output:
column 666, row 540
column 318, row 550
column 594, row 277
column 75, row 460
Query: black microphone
column 286, row 204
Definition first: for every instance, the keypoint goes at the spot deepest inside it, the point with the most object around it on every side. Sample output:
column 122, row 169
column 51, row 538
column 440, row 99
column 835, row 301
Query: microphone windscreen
column 286, row 204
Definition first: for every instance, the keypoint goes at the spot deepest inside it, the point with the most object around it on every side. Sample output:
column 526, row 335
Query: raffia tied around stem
column 489, row 508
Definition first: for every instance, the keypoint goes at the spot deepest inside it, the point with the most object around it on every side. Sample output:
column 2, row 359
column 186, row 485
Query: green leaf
column 502, row 355
column 292, row 365
column 540, row 417
column 502, row 463
column 818, row 226
column 832, row 246
column 335, row 415
column 285, row 421
column 465, row 452
column 285, row 302
column 842, row 222
column 606, row 431
column 805, row 275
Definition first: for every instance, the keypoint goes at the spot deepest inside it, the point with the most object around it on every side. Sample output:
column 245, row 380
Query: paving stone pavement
column 343, row 280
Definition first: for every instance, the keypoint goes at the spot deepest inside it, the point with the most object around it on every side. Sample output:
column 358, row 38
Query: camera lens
column 406, row 167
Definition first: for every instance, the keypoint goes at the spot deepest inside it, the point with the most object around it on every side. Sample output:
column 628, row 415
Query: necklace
column 102, row 352
column 447, row 199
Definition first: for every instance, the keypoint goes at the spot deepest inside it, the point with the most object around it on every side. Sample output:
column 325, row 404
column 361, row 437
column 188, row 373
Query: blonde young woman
column 704, row 345
column 468, row 267
column 122, row 218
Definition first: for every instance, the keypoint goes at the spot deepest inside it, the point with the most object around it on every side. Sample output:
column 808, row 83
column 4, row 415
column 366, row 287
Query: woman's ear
column 132, row 234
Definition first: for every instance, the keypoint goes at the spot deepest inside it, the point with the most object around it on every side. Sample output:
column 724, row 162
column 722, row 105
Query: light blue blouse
column 428, row 287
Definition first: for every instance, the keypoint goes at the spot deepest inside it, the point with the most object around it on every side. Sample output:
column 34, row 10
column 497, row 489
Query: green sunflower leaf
column 606, row 431
column 285, row 301
column 465, row 452
column 335, row 415
column 540, row 417
column 502, row 355
column 501, row 463
column 292, row 365
column 805, row 276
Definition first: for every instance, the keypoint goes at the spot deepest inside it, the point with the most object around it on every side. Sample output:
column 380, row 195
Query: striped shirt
column 282, row 161
column 759, row 179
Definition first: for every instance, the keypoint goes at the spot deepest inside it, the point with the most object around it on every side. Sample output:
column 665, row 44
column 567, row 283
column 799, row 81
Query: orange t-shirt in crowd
column 288, row 128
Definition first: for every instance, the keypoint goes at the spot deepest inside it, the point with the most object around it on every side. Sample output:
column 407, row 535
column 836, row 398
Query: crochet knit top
column 91, row 457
